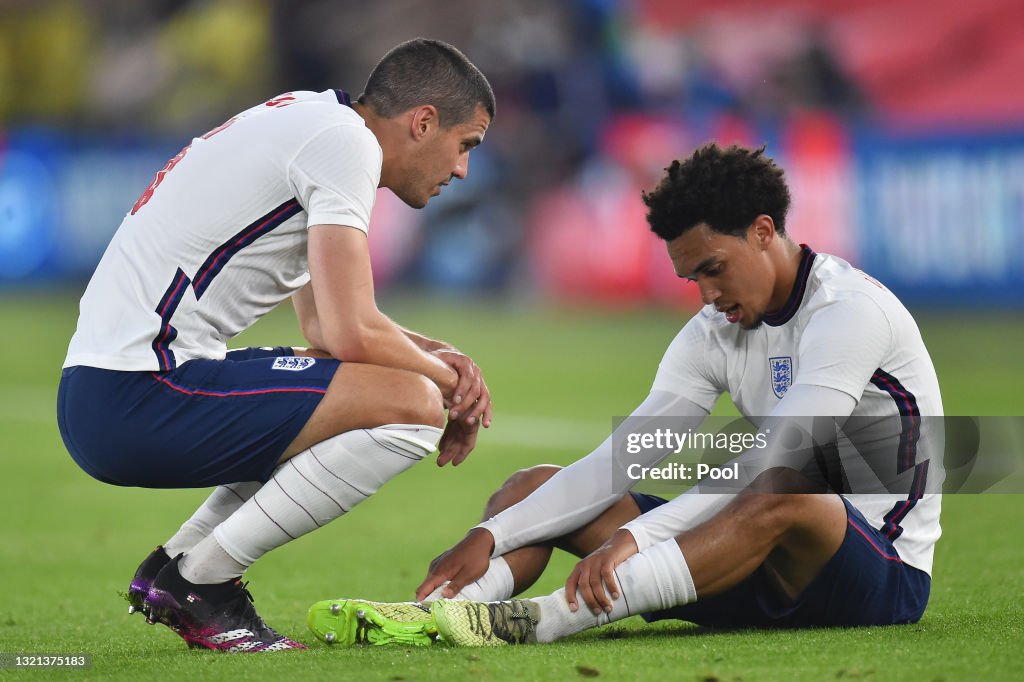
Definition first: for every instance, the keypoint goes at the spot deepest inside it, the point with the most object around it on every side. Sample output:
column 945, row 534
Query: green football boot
column 496, row 623
column 354, row 621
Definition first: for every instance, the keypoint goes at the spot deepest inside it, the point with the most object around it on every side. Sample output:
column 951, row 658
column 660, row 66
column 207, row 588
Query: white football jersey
column 219, row 237
column 843, row 330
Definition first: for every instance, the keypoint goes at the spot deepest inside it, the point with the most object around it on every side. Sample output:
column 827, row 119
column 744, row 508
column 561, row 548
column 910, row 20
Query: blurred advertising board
column 62, row 197
column 937, row 218
column 942, row 218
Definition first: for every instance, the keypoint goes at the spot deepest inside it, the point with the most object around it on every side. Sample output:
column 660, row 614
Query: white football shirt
column 840, row 330
column 843, row 330
column 219, row 237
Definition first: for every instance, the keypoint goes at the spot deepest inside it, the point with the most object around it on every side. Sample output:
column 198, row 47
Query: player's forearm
column 352, row 327
column 423, row 342
column 375, row 339
column 570, row 499
column 687, row 511
column 583, row 490
column 793, row 444
column 703, row 501
column 306, row 313
column 311, row 332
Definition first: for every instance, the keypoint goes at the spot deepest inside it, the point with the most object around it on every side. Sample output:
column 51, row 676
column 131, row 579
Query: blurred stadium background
column 900, row 124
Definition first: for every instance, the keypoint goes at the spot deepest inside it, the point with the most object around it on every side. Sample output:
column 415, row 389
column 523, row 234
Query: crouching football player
column 273, row 204
column 790, row 334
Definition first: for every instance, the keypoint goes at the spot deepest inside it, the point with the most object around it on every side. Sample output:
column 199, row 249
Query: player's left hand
column 471, row 400
column 597, row 571
column 457, row 442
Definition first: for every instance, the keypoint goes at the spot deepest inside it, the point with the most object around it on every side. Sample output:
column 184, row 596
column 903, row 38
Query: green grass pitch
column 69, row 544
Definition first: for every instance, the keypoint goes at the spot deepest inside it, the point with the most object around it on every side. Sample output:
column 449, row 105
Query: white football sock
column 207, row 563
column 221, row 504
column 657, row 578
column 497, row 584
column 307, row 491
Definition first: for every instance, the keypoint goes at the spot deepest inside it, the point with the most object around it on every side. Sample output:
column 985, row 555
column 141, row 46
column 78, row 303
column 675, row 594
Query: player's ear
column 424, row 119
column 762, row 231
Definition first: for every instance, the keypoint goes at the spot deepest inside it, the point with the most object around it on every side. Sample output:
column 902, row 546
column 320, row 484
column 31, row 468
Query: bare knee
column 518, row 487
column 781, row 502
column 401, row 397
column 798, row 532
column 418, row 401
column 364, row 397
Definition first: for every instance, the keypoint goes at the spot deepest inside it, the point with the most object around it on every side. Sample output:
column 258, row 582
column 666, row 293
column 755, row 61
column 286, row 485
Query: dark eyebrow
column 701, row 267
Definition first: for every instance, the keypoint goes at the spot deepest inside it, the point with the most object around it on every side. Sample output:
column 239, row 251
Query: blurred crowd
column 594, row 96
column 562, row 70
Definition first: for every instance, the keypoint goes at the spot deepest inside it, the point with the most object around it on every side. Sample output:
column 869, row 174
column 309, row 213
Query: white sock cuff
column 497, row 584
column 557, row 621
column 417, row 440
column 209, row 563
column 221, row 503
column 503, row 577
column 675, row 582
column 224, row 540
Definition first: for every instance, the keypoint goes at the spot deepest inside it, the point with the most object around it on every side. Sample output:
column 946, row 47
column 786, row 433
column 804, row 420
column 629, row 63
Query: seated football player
column 793, row 336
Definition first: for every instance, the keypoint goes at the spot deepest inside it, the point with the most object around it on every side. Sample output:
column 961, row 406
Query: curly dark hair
column 423, row 71
column 726, row 189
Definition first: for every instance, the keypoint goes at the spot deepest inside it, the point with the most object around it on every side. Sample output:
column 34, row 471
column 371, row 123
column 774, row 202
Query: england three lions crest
column 781, row 370
column 293, row 363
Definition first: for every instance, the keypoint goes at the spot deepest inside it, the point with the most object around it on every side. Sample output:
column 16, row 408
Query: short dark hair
column 423, row 71
column 726, row 189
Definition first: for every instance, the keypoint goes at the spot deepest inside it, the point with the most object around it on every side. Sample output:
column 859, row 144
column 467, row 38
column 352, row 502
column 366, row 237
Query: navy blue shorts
column 864, row 583
column 205, row 423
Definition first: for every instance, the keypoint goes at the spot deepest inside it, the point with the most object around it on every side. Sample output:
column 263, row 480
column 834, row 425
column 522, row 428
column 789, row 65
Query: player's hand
column 459, row 566
column 471, row 401
column 457, row 441
column 597, row 571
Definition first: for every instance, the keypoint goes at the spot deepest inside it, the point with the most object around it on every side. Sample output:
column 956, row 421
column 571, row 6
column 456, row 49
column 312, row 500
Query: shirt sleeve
column 685, row 369
column 843, row 344
column 335, row 176
column 579, row 493
column 700, row 503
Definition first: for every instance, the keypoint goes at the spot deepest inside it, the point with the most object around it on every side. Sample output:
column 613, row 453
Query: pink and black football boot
column 219, row 617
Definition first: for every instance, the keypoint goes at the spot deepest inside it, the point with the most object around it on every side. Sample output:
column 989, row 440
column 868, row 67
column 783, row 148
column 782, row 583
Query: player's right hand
column 595, row 573
column 461, row 565
column 470, row 401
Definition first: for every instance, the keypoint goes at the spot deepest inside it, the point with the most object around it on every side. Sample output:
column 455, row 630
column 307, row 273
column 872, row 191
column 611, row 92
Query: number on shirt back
column 162, row 173
column 282, row 100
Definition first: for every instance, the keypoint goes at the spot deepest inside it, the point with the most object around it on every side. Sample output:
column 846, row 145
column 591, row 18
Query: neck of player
column 786, row 258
